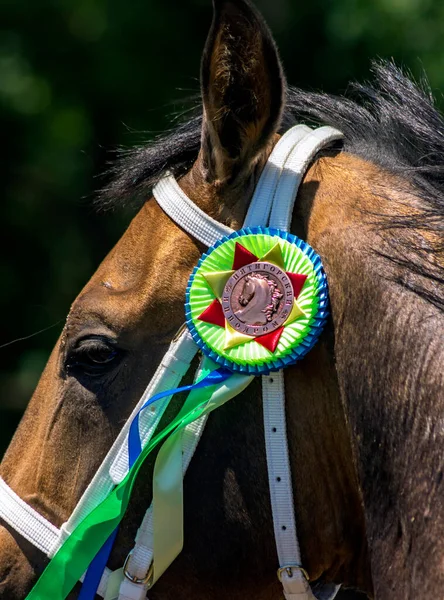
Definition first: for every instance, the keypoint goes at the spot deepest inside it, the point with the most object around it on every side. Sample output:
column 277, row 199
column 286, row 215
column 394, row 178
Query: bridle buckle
column 179, row 332
column 289, row 570
column 138, row 580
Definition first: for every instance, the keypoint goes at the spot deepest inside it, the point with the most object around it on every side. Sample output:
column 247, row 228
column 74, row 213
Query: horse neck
column 389, row 363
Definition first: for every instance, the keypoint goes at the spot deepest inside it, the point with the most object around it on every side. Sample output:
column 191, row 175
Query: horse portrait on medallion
column 246, row 399
column 260, row 298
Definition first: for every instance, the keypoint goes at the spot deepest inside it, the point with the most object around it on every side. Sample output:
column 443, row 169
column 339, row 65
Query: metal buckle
column 179, row 332
column 139, row 581
column 289, row 570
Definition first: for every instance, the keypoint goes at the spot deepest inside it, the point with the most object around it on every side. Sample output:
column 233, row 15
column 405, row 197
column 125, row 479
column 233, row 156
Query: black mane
column 391, row 122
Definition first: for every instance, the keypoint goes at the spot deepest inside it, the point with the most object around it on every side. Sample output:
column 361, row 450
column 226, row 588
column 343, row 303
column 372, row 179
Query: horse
column 365, row 406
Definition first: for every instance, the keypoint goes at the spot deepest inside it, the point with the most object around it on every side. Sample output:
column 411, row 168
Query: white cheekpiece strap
column 25, row 520
column 172, row 368
column 292, row 576
column 260, row 206
column 186, row 214
column 41, row 532
column 293, row 171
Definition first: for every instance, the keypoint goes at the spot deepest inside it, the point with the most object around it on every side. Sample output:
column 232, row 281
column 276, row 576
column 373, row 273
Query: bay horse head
column 365, row 406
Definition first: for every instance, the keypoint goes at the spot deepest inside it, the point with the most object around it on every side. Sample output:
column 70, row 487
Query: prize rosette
column 257, row 300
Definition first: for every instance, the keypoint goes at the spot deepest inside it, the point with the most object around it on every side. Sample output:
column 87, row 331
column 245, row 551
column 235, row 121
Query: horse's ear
column 242, row 88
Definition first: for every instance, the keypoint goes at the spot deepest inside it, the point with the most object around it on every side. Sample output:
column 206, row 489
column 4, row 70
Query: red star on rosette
column 214, row 314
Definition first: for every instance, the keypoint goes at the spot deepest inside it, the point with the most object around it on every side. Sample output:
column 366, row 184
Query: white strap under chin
column 292, row 577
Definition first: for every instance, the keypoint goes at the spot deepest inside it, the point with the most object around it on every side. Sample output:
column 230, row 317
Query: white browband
column 271, row 205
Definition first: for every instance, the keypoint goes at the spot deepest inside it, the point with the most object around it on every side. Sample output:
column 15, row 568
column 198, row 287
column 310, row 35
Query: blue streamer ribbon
column 98, row 564
column 95, row 570
column 134, row 443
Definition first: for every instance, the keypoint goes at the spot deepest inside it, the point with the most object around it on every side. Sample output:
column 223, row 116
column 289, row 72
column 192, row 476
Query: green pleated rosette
column 296, row 339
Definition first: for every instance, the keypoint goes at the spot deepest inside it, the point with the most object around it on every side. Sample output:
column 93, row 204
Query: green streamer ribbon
column 74, row 556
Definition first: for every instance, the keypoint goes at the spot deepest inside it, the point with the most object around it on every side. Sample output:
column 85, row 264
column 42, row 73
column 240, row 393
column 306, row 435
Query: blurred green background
column 79, row 78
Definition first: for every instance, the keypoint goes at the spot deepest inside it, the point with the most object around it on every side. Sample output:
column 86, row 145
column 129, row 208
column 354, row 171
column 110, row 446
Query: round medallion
column 257, row 300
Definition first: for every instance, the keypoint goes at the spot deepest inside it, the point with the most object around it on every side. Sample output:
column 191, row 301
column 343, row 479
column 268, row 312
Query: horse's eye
column 92, row 356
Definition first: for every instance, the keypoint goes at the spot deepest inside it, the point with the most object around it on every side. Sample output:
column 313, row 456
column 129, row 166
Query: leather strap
column 186, row 214
column 293, row 172
column 258, row 213
column 27, row 521
column 295, row 584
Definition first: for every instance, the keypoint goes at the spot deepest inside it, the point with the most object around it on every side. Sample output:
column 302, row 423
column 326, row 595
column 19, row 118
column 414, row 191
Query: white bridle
column 272, row 205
